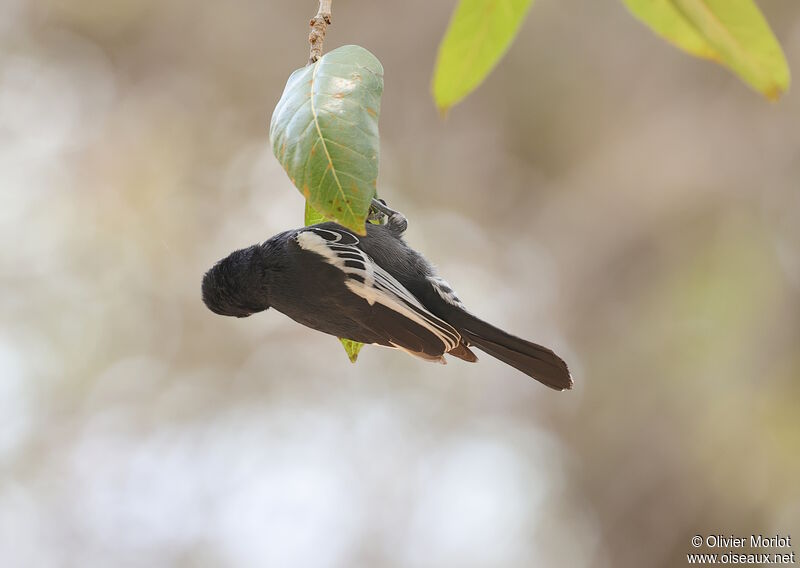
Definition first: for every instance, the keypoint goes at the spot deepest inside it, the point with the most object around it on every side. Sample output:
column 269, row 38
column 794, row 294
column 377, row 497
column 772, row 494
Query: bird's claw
column 396, row 222
column 377, row 211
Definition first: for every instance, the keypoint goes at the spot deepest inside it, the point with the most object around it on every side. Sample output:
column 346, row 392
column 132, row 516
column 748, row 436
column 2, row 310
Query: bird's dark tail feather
column 532, row 359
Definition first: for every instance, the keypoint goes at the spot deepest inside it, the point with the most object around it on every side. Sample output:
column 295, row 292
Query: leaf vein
column 356, row 152
column 324, row 146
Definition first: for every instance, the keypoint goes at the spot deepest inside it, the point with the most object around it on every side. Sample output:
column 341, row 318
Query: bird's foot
column 377, row 210
column 396, row 222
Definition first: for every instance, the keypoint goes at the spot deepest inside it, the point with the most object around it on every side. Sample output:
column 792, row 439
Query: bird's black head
column 237, row 285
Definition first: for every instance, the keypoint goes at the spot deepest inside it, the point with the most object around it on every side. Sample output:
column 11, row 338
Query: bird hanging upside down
column 373, row 289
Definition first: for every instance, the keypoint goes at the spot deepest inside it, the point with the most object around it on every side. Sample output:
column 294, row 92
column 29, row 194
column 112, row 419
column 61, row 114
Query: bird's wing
column 396, row 313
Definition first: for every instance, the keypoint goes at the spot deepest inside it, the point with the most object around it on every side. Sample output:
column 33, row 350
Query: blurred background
column 603, row 193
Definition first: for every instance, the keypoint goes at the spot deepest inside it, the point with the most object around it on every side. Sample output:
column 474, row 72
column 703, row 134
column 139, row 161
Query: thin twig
column 319, row 24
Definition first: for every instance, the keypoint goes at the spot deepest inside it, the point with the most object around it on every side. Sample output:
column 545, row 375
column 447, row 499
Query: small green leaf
column 480, row 32
column 352, row 348
column 324, row 132
column 312, row 217
column 731, row 32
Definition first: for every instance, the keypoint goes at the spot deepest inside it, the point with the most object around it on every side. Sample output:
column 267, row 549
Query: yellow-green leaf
column 352, row 348
column 312, row 217
column 480, row 32
column 731, row 32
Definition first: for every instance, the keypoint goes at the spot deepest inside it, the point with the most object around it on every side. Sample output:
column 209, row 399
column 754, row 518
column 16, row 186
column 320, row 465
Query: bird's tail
column 532, row 359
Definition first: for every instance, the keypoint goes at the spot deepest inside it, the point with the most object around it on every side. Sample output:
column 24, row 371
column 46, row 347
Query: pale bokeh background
column 603, row 193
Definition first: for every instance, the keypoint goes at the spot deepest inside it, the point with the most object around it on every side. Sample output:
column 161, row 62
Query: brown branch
column 319, row 24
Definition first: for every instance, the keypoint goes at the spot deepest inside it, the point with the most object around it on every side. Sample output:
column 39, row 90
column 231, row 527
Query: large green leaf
column 324, row 132
column 312, row 217
column 479, row 34
column 731, row 32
